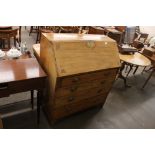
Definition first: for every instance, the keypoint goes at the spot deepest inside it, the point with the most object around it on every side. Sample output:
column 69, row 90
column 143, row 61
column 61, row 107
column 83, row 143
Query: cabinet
column 81, row 69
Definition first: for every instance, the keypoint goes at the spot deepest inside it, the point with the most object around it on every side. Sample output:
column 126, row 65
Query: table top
column 150, row 49
column 20, row 69
column 5, row 27
column 113, row 30
column 26, row 55
column 135, row 59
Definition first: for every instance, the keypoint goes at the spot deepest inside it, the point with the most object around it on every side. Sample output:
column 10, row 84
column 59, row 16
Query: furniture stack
column 81, row 70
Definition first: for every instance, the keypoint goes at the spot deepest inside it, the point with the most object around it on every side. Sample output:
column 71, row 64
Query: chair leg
column 38, row 35
column 32, row 99
column 31, row 28
column 148, row 78
column 15, row 41
column 9, row 46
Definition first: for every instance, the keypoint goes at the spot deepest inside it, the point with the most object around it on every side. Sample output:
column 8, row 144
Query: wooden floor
column 125, row 108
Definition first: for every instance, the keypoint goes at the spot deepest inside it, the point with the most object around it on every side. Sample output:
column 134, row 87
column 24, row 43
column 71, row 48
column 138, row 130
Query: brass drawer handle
column 73, row 89
column 3, row 86
column 100, row 90
column 71, row 99
column 103, row 82
column 76, row 79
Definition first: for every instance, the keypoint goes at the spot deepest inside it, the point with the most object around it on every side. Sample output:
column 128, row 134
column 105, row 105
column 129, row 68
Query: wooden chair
column 33, row 29
column 43, row 29
column 7, row 35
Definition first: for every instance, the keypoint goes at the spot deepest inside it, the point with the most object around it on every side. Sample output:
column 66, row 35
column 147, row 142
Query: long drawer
column 80, row 106
column 77, row 79
column 74, row 98
column 83, row 88
column 4, row 90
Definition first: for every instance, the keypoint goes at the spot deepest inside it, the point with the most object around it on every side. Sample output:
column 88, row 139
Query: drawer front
column 83, row 88
column 73, row 98
column 77, row 79
column 80, row 106
column 4, row 90
column 26, row 85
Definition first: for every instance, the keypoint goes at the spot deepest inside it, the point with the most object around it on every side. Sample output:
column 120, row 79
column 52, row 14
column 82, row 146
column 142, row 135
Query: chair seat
column 36, row 50
column 46, row 31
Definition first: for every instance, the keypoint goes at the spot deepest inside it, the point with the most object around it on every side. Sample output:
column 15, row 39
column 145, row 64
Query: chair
column 140, row 40
column 43, row 29
column 33, row 29
column 7, row 35
column 68, row 29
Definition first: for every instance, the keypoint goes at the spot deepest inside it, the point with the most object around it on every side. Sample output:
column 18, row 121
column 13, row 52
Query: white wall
column 148, row 29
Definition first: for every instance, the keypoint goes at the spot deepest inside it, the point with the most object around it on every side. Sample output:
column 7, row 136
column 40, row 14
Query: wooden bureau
column 81, row 71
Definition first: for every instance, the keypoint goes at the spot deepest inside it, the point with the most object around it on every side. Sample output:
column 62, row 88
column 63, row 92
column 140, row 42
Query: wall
column 148, row 29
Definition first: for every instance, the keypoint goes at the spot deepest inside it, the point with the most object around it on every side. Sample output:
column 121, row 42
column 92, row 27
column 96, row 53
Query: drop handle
column 70, row 99
column 76, row 79
column 102, row 82
column 100, row 90
column 73, row 89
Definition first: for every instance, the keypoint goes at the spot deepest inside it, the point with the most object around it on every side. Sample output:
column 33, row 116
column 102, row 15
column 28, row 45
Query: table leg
column 143, row 69
column 120, row 75
column 32, row 98
column 135, row 70
column 39, row 102
column 129, row 69
column 148, row 78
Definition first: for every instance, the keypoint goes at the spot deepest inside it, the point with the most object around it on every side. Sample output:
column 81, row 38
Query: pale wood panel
column 135, row 59
column 72, row 60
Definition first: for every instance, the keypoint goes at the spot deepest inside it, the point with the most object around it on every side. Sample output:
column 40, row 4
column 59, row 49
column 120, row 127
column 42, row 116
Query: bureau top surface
column 76, row 37
column 20, row 69
column 75, row 55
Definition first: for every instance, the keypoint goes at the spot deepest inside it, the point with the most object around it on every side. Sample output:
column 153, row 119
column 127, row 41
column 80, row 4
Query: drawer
column 26, row 85
column 80, row 106
column 88, row 77
column 74, row 98
column 4, row 90
column 79, row 89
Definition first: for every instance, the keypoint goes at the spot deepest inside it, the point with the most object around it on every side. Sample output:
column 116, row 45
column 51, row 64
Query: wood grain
column 79, row 67
column 135, row 59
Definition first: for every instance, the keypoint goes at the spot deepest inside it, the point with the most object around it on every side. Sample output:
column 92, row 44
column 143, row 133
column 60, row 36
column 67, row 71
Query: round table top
column 135, row 59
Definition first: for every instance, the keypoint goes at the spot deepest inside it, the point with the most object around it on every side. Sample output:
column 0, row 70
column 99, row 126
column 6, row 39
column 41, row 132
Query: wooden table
column 150, row 54
column 20, row 75
column 5, row 27
column 134, row 59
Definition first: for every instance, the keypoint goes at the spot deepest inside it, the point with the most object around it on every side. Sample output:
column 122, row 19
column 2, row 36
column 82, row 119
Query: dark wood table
column 5, row 27
column 21, row 75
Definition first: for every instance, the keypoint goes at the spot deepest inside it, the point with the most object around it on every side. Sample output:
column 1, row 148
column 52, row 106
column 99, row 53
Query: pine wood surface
column 79, row 68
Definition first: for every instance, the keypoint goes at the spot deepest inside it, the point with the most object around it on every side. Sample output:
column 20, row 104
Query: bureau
column 81, row 70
